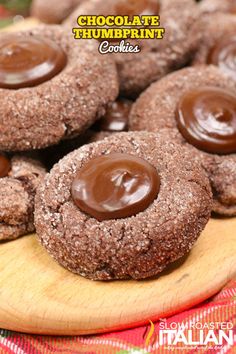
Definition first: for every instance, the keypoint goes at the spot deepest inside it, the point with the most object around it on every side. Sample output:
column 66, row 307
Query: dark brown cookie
column 53, row 11
column 210, row 6
column 115, row 120
column 64, row 106
column 216, row 44
column 137, row 246
column 158, row 57
column 156, row 109
column 17, row 192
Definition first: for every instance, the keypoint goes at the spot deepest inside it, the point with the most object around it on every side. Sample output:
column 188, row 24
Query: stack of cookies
column 140, row 149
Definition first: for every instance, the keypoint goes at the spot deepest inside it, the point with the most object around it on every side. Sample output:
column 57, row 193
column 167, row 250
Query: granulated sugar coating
column 17, row 192
column 66, row 105
column 155, row 110
column 135, row 247
column 157, row 58
column 213, row 33
column 210, row 6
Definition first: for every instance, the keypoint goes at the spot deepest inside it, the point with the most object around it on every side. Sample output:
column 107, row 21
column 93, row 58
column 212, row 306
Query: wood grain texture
column 39, row 296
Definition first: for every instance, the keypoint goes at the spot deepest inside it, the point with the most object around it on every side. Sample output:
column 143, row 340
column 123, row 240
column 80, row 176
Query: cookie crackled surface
column 211, row 6
column 157, row 108
column 218, row 43
column 70, row 87
column 19, row 179
column 136, row 246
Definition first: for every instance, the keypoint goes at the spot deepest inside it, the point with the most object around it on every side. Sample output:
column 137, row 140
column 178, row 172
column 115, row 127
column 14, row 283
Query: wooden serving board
column 39, row 296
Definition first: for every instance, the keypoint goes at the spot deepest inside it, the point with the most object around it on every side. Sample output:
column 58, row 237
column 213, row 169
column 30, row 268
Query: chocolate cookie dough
column 19, row 177
column 51, row 87
column 116, row 117
column 218, row 44
column 53, row 11
column 198, row 105
column 124, row 207
column 115, row 120
column 210, row 6
column 157, row 57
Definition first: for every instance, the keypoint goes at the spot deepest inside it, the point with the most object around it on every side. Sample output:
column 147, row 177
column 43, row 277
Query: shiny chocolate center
column 137, row 7
column 5, row 166
column 116, row 117
column 29, row 61
column 223, row 54
column 206, row 118
column 115, row 186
